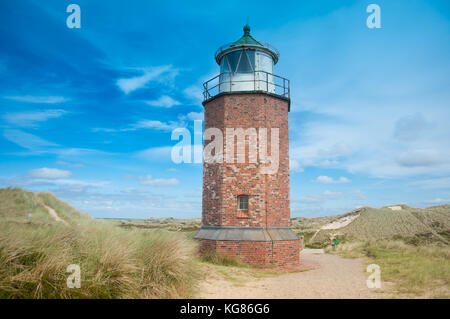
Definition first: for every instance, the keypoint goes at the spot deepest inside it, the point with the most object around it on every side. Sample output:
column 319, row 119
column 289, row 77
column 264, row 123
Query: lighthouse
column 245, row 205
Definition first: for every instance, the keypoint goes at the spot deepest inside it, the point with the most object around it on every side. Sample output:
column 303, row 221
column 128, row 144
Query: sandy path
column 337, row 278
column 55, row 216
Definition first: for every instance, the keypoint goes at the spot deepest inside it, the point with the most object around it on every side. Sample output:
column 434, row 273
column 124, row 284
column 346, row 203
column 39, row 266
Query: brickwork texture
column 268, row 194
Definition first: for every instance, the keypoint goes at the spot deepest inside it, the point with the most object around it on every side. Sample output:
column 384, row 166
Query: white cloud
column 195, row 116
column 135, row 190
column 411, row 127
column 157, row 125
column 163, row 101
column 295, row 166
column 421, row 157
column 147, row 124
column 149, row 180
column 49, row 173
column 433, row 183
column 69, row 164
column 194, row 92
column 358, row 195
column 330, row 180
column 45, row 182
column 161, row 74
column 131, row 84
column 376, row 118
column 131, row 203
column 72, row 182
column 31, row 118
column 103, row 129
column 319, row 198
column 38, row 146
column 332, row 195
column 356, row 144
column 38, row 99
column 26, row 140
column 437, row 201
column 324, row 179
column 162, row 153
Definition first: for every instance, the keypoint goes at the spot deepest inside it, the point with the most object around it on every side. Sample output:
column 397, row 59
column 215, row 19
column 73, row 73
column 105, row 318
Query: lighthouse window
column 243, row 202
column 238, row 62
column 245, row 64
column 251, row 58
column 233, row 60
column 224, row 67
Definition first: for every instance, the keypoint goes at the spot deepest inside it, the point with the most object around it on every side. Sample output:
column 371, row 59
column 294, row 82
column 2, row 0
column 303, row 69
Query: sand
column 337, row 278
column 55, row 216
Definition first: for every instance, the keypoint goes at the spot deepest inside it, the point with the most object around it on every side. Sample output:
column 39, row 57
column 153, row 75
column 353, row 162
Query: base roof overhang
column 246, row 233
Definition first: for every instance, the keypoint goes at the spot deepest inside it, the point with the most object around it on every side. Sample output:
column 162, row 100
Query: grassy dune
column 415, row 271
column 410, row 245
column 415, row 225
column 168, row 223
column 155, row 258
column 114, row 262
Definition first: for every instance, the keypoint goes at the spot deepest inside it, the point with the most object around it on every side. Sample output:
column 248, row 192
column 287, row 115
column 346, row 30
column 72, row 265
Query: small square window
column 243, row 202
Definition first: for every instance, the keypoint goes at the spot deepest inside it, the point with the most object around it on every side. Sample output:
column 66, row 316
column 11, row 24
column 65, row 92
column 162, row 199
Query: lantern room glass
column 242, row 61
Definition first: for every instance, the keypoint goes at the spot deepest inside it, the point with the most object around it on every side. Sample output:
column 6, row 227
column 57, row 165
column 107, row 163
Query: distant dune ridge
column 425, row 224
column 364, row 223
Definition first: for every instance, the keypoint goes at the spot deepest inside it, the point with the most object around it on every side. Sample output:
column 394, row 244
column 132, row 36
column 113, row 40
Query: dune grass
column 67, row 212
column 16, row 204
column 415, row 270
column 430, row 224
column 114, row 262
column 213, row 257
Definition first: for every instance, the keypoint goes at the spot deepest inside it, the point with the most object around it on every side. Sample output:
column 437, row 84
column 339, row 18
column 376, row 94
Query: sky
column 87, row 113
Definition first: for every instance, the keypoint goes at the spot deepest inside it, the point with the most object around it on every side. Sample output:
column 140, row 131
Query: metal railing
column 250, row 81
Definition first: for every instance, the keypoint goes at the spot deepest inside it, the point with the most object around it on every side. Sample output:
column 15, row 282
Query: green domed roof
column 246, row 39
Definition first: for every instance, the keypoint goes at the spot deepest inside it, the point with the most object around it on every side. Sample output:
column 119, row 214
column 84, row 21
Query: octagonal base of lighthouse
column 259, row 246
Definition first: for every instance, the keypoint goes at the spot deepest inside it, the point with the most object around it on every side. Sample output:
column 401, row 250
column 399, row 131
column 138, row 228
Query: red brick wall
column 268, row 194
column 222, row 183
column 212, row 173
column 286, row 252
column 280, row 253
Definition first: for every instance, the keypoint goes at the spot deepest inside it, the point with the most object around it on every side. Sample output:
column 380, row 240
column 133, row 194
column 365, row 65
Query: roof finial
column 247, row 29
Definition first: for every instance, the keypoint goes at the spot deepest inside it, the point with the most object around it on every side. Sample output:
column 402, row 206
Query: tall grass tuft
column 221, row 260
column 114, row 263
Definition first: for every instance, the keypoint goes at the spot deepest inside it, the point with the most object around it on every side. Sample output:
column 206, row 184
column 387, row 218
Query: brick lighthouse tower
column 245, row 208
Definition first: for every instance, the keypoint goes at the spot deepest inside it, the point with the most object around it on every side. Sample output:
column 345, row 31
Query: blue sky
column 88, row 113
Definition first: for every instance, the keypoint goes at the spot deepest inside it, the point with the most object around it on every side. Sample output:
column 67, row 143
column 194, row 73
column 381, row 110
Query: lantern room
column 246, row 65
